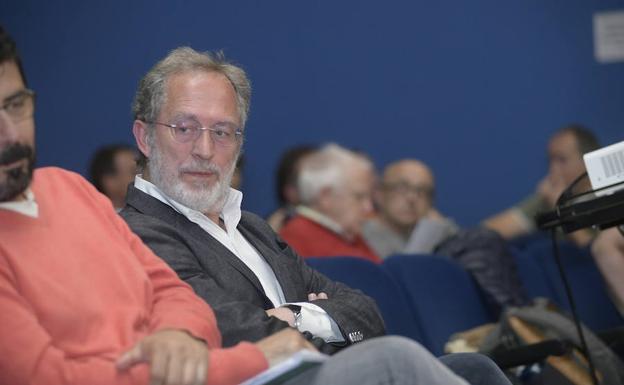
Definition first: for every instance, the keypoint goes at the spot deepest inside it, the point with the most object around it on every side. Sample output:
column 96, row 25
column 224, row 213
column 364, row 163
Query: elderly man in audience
column 407, row 221
column 565, row 155
column 98, row 307
column 190, row 113
column 335, row 188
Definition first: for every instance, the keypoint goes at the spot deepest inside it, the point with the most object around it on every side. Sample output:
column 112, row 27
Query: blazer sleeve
column 356, row 314
column 238, row 320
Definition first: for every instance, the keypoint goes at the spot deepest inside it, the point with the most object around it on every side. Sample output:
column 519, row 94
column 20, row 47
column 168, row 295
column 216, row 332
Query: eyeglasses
column 405, row 188
column 223, row 134
column 20, row 105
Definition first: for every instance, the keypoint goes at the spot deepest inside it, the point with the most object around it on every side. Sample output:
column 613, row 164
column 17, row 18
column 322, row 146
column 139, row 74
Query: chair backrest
column 532, row 276
column 443, row 295
column 375, row 282
column 592, row 300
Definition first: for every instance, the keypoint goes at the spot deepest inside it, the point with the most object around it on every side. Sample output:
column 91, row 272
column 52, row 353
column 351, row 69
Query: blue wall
column 472, row 88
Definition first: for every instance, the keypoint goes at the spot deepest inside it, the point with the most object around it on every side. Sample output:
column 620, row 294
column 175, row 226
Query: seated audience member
column 335, row 187
column 111, row 170
column 183, row 208
column 100, row 308
column 286, row 185
column 408, row 223
column 565, row 154
column 608, row 252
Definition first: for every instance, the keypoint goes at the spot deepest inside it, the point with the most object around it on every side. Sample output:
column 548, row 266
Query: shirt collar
column 28, row 207
column 320, row 218
column 230, row 213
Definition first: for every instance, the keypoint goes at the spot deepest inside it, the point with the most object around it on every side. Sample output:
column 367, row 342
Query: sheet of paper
column 285, row 370
column 609, row 36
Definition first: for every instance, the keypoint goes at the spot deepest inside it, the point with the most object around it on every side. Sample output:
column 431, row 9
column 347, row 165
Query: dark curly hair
column 8, row 51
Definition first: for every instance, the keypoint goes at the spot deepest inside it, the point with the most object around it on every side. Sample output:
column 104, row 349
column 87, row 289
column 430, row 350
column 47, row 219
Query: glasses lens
column 20, row 106
column 186, row 132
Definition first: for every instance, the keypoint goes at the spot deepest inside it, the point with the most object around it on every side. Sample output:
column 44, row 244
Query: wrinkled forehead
column 412, row 173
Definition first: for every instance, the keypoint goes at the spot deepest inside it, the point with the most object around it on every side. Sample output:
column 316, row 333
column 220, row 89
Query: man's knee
column 475, row 368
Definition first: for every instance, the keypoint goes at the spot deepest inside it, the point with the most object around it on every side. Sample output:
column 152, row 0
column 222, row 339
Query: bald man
column 406, row 222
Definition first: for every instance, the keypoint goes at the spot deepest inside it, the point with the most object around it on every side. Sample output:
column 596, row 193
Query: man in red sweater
column 335, row 187
column 84, row 301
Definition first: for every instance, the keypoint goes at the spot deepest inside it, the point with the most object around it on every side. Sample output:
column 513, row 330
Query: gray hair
column 151, row 94
column 328, row 167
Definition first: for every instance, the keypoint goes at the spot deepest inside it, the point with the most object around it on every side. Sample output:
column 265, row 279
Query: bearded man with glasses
column 190, row 113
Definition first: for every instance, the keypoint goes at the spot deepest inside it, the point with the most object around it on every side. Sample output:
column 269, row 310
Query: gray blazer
column 230, row 287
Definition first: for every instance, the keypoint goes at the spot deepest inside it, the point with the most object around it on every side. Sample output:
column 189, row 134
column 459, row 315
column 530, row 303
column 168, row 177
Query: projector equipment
column 599, row 208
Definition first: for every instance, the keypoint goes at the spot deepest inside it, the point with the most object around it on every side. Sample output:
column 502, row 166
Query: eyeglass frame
column 30, row 94
column 238, row 133
column 419, row 191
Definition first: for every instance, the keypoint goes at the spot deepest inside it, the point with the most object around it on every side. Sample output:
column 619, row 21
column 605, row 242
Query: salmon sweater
column 78, row 288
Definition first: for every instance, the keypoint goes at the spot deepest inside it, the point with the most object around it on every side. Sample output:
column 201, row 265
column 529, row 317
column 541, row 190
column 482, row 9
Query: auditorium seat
column 593, row 303
column 442, row 294
column 376, row 283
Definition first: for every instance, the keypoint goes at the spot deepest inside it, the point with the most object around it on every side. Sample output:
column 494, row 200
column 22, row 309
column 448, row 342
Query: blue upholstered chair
column 442, row 294
column 593, row 303
column 376, row 283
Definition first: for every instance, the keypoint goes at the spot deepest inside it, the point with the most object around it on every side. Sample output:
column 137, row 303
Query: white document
column 285, row 370
column 609, row 36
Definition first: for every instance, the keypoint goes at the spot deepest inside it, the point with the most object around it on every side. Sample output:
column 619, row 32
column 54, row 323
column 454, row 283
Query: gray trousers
column 398, row 361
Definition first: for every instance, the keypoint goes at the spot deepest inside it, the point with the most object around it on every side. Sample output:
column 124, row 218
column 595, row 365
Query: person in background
column 565, row 157
column 237, row 178
column 286, row 185
column 111, row 170
column 407, row 221
column 335, row 188
column 608, row 252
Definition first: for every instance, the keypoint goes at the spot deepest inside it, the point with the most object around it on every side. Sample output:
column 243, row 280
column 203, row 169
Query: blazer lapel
column 273, row 258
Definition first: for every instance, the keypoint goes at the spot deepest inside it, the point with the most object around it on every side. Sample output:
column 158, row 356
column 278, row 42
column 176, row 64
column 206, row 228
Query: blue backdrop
column 473, row 88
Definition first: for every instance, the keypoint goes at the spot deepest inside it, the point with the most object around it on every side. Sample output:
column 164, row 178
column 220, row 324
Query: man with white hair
column 335, row 187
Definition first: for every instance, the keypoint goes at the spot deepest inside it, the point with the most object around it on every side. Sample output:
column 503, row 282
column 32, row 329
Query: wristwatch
column 297, row 314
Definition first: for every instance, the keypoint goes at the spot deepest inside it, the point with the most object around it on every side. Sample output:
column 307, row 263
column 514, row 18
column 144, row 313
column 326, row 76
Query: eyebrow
column 191, row 116
column 14, row 95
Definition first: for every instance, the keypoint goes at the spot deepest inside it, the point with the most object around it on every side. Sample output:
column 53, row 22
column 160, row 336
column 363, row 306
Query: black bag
column 486, row 256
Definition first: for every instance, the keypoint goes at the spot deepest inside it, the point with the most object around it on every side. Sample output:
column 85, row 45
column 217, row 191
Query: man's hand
column 314, row 296
column 283, row 344
column 287, row 315
column 550, row 188
column 283, row 313
column 174, row 357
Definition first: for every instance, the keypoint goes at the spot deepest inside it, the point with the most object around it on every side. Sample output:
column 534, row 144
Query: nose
column 203, row 146
column 8, row 129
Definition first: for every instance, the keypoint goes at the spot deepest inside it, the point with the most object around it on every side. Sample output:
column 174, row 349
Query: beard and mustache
column 199, row 196
column 14, row 181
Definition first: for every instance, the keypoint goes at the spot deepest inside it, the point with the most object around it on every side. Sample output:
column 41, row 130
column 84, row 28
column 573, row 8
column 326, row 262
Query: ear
column 325, row 200
column 139, row 129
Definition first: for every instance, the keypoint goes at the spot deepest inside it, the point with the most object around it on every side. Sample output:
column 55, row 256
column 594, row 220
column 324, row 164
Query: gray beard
column 200, row 197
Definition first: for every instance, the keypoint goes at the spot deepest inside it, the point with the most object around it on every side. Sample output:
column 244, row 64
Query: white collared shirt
column 26, row 207
column 314, row 319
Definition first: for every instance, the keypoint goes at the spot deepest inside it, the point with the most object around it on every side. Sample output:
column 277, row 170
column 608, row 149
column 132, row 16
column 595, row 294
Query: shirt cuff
column 316, row 321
